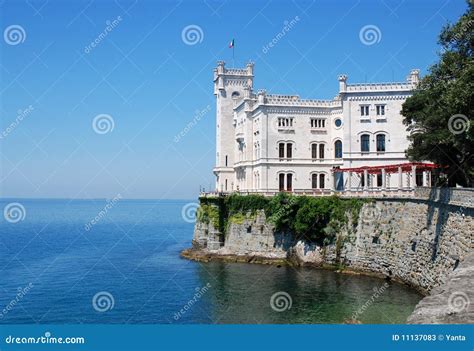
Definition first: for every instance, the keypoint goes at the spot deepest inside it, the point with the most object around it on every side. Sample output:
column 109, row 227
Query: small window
column 365, row 143
column 380, row 142
column 321, row 151
column 285, row 122
column 249, row 229
column 289, row 182
column 364, row 110
column 235, row 95
column 338, row 149
column 380, row 109
column 375, row 240
column 338, row 122
column 413, row 246
column 314, row 151
column 314, row 181
column 379, row 179
column 281, row 182
column 226, row 159
column 321, row 181
column 281, row 150
column 289, row 150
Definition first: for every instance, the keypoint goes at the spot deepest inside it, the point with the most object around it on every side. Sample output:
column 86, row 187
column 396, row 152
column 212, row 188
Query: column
column 366, row 179
column 383, row 179
column 350, row 181
column 413, row 177
column 400, row 178
column 425, row 178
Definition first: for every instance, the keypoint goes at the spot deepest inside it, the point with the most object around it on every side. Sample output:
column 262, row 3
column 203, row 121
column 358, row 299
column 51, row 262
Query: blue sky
column 151, row 82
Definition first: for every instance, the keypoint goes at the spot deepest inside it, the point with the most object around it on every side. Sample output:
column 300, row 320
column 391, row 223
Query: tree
column 439, row 113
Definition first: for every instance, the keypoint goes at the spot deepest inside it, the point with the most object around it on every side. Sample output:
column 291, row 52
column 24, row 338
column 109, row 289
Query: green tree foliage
column 439, row 114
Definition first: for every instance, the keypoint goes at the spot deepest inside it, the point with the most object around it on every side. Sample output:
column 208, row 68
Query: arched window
column 281, row 150
column 289, row 149
column 380, row 142
column 314, row 181
column 235, row 95
column 321, row 151
column 321, row 181
column 365, row 143
column 314, row 151
column 338, row 149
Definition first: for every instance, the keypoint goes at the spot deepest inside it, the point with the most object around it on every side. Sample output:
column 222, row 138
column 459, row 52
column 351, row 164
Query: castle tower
column 229, row 88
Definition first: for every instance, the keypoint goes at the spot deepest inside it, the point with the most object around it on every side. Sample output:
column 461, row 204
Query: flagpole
column 233, row 55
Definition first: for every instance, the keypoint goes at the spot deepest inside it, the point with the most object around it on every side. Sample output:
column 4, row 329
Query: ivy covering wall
column 315, row 219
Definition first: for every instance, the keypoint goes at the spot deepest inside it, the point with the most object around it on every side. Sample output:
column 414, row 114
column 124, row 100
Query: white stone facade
column 268, row 143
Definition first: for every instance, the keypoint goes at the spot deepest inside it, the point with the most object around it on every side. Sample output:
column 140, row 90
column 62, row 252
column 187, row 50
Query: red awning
column 405, row 167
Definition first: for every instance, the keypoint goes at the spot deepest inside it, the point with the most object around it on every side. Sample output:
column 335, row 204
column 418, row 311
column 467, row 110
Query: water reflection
column 241, row 293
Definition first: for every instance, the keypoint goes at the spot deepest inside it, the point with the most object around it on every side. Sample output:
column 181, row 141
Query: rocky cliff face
column 420, row 242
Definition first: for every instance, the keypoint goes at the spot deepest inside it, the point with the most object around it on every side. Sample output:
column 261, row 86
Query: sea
column 118, row 261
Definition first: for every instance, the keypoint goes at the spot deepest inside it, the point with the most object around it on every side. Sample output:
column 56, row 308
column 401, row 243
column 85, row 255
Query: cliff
column 419, row 241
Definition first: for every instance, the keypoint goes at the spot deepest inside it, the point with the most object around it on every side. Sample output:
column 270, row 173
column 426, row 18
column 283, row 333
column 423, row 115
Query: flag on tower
column 231, row 44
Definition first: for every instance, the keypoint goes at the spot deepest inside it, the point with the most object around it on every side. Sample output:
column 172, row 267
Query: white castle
column 268, row 143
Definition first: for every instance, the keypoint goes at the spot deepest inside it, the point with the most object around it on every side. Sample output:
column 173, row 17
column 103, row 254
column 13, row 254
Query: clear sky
column 149, row 80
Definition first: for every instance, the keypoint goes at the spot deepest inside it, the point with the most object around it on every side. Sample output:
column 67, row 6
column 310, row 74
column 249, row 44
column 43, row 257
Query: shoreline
column 200, row 255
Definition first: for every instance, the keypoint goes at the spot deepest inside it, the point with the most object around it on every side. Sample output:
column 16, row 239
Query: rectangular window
column 380, row 143
column 318, row 123
column 289, row 182
column 364, row 110
column 321, row 181
column 289, row 150
column 379, row 179
column 285, row 122
column 380, row 109
column 314, row 181
column 281, row 150
column 365, row 143
column 314, row 151
column 321, row 151
column 226, row 160
column 281, row 182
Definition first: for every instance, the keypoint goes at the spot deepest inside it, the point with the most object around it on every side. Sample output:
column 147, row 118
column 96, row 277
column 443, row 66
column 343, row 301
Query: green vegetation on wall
column 315, row 219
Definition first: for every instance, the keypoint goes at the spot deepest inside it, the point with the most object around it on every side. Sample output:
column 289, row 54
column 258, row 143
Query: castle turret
column 230, row 85
column 342, row 83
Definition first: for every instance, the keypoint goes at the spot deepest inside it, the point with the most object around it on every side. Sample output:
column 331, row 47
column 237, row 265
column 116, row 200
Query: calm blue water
column 132, row 253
